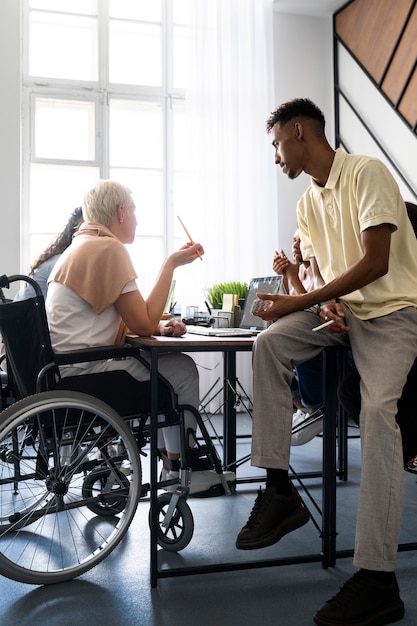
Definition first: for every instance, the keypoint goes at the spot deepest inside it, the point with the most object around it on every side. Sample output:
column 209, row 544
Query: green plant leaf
column 215, row 292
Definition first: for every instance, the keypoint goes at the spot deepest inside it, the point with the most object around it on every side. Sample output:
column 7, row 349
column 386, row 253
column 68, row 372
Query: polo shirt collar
column 334, row 174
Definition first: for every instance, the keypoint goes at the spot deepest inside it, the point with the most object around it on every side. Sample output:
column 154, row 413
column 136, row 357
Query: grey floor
column 118, row 592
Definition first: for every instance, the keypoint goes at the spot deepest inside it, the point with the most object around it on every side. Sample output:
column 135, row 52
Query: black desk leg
column 229, row 416
column 329, row 458
column 154, row 470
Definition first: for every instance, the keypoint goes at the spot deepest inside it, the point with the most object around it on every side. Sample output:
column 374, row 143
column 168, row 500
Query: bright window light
column 55, row 191
column 86, row 7
column 63, row 46
column 64, row 129
column 145, row 10
column 106, row 103
column 135, row 51
column 135, row 134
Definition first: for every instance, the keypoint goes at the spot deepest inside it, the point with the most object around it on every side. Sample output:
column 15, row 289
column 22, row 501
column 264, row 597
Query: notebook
column 250, row 324
column 169, row 302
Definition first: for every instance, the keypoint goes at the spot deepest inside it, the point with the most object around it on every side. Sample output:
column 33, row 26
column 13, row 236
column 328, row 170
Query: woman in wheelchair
column 93, row 299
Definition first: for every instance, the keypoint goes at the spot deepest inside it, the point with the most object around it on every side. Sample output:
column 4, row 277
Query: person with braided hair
column 42, row 267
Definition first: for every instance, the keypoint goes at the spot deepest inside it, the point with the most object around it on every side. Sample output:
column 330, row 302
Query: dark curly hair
column 61, row 241
column 299, row 107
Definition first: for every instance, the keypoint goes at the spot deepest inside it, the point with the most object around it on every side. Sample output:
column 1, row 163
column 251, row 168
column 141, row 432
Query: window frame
column 101, row 92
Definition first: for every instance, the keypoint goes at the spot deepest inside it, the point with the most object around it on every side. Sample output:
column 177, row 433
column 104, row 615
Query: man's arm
column 375, row 243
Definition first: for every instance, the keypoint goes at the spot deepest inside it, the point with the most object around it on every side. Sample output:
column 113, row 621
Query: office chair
column 70, row 472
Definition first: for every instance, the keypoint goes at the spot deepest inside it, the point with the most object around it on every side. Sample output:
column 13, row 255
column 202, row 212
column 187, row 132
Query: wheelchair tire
column 104, row 503
column 49, row 443
column 179, row 532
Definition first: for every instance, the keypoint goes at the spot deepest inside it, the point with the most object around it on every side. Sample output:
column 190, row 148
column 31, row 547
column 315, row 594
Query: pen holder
column 223, row 319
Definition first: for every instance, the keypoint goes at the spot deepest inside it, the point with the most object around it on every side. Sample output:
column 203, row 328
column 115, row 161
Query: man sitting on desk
column 354, row 228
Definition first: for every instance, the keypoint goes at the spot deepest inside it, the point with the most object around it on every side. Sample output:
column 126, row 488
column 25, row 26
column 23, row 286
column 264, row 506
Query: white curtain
column 230, row 175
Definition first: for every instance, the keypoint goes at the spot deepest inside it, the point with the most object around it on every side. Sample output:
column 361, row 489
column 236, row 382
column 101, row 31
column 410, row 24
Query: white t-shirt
column 73, row 324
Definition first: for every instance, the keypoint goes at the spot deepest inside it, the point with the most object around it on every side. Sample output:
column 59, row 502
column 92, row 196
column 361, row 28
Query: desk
column 230, row 346
column 190, row 343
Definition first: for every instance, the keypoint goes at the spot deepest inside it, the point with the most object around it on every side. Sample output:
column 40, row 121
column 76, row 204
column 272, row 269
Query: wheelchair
column 70, row 448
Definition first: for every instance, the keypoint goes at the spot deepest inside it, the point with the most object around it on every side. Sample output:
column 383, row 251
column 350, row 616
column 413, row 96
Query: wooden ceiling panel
column 370, row 28
column 408, row 104
column 403, row 61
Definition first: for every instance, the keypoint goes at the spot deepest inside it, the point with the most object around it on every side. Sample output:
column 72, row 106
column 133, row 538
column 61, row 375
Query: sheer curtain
column 230, row 175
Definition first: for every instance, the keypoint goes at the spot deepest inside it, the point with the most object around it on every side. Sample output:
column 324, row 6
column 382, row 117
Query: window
column 108, row 102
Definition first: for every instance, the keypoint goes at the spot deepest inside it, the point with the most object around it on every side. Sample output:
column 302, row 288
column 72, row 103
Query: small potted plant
column 216, row 292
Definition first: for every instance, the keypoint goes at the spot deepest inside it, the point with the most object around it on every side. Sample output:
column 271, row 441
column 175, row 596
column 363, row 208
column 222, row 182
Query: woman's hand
column 172, row 328
column 280, row 262
column 282, row 265
column 186, row 254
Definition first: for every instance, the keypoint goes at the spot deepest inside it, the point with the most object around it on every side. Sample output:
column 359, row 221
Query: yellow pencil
column 188, row 235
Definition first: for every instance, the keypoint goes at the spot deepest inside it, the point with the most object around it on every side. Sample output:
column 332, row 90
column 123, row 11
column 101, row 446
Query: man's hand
column 333, row 311
column 272, row 306
column 172, row 328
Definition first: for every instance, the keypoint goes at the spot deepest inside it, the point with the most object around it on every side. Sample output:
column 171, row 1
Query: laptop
column 250, row 324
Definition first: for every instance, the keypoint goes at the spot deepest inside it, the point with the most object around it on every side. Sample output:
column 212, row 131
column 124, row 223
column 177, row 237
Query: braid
column 61, row 241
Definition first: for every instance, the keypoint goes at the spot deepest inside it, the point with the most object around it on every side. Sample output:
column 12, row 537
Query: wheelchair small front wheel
column 177, row 534
column 109, row 497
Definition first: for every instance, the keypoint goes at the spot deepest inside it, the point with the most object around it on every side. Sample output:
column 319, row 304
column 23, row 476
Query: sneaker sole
column 307, row 433
column 388, row 615
column 292, row 522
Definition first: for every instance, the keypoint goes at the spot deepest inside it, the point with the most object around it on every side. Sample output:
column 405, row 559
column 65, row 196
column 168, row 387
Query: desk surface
column 188, row 343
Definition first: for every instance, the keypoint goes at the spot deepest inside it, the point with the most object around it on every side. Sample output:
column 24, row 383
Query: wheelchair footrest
column 198, row 459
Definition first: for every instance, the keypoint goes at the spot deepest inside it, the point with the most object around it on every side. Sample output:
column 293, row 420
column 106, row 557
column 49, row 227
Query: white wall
column 303, row 69
column 10, row 125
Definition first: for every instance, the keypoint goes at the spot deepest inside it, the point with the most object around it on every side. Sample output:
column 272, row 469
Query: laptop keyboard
column 220, row 332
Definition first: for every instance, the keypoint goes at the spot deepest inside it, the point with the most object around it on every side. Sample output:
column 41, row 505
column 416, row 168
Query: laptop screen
column 268, row 284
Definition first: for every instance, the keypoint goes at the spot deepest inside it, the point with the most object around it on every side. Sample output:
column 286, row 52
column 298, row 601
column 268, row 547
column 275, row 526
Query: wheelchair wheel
column 103, row 491
column 179, row 531
column 52, row 526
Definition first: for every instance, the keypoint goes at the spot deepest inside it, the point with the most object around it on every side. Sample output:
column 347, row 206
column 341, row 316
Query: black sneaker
column 272, row 517
column 362, row 601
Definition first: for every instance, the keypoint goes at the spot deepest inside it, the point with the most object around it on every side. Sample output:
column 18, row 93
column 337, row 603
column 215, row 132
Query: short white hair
column 102, row 201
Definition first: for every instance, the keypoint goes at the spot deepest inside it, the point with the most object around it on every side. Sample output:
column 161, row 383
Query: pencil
column 188, row 235
column 323, row 325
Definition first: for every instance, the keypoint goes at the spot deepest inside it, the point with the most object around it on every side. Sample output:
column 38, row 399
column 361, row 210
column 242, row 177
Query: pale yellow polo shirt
column 360, row 192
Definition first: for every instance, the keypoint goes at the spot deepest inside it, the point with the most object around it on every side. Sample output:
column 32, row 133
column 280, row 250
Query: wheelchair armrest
column 98, row 354
column 84, row 355
column 95, row 354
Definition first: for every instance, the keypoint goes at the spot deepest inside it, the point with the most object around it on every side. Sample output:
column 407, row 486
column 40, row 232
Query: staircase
column 376, row 84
